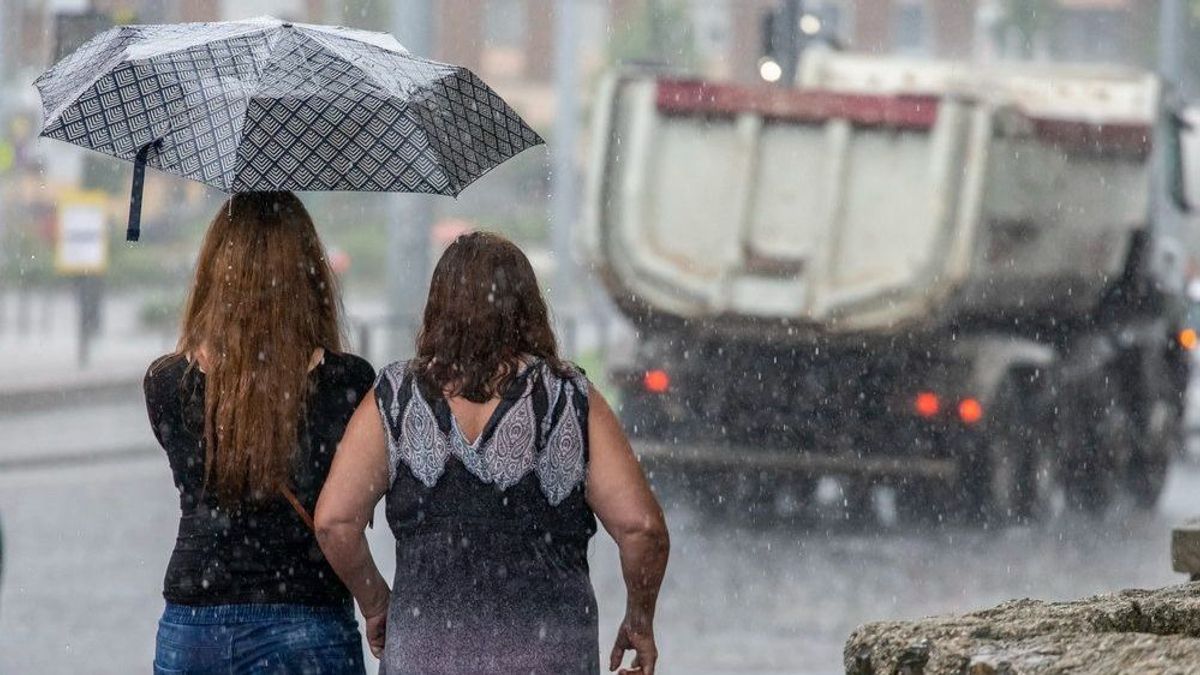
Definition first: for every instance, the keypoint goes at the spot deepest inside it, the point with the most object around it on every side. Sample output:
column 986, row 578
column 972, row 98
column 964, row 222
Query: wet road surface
column 87, row 542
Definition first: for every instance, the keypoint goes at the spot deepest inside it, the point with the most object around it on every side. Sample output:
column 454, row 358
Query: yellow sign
column 81, row 236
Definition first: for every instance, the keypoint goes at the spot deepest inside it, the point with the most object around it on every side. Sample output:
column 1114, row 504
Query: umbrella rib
column 67, row 101
column 259, row 76
column 54, row 70
column 187, row 46
column 245, row 113
column 332, row 49
column 437, row 151
column 357, row 35
column 459, row 186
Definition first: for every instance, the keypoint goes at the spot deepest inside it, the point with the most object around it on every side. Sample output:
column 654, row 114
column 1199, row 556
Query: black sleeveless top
column 257, row 554
column 492, row 536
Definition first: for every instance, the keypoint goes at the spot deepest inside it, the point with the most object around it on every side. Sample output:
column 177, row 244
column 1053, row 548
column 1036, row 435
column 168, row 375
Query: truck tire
column 921, row 502
column 858, row 502
column 641, row 416
column 753, row 498
column 1158, row 440
column 1098, row 441
column 648, row 417
column 1008, row 478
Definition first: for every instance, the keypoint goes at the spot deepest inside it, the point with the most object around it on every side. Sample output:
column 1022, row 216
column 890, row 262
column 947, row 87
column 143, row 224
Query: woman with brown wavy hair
column 249, row 409
column 496, row 457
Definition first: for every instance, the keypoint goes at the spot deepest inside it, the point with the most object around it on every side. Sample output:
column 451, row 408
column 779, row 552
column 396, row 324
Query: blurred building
column 512, row 41
column 511, row 44
column 1112, row 31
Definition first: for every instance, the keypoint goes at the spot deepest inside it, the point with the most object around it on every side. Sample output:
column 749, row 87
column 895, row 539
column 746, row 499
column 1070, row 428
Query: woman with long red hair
column 249, row 409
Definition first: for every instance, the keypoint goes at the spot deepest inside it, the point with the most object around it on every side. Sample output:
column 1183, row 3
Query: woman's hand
column 620, row 497
column 376, row 632
column 638, row 635
column 357, row 481
column 375, row 613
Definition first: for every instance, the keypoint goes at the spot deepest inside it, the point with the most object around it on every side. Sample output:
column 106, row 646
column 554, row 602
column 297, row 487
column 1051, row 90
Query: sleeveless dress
column 491, row 537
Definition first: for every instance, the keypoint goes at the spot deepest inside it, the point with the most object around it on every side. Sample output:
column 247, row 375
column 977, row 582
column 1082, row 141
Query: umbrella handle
column 134, row 229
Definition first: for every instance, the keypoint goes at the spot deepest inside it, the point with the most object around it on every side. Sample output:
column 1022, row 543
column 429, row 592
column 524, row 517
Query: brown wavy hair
column 484, row 314
column 263, row 301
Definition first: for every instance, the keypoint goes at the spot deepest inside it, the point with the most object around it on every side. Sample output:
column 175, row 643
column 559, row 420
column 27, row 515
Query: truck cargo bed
column 839, row 211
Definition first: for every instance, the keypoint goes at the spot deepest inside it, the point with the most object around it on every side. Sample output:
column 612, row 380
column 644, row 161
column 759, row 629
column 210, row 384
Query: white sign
column 82, row 246
column 79, row 6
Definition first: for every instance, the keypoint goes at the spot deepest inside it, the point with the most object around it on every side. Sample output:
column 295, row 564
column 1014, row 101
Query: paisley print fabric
column 560, row 466
column 427, row 449
column 492, row 536
column 516, row 445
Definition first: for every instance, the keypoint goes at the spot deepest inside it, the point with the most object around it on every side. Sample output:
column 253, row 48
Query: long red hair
column 263, row 301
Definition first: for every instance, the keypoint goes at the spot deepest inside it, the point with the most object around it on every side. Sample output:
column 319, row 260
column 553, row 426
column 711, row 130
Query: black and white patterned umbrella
column 264, row 104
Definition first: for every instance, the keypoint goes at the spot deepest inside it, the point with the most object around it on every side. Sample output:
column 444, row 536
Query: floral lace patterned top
column 491, row 536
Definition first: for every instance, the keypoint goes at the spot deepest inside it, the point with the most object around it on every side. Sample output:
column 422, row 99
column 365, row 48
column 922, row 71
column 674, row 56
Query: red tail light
column 656, row 381
column 970, row 411
column 927, row 404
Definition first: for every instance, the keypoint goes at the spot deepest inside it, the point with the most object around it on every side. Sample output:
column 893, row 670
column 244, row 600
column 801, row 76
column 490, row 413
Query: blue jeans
column 235, row 639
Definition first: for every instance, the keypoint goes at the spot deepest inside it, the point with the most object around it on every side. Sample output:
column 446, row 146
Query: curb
column 68, row 394
column 77, row 458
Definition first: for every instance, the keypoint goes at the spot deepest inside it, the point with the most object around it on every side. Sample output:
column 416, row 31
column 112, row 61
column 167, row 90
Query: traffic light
column 788, row 29
column 770, row 35
column 781, row 43
column 768, row 65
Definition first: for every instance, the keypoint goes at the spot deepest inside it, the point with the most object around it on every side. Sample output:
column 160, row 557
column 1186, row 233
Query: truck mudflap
column 698, row 455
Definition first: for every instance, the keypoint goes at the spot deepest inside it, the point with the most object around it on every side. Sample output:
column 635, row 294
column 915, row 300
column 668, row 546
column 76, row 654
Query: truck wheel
column 754, row 498
column 1102, row 438
column 1146, row 473
column 921, row 502
column 1036, row 478
column 642, row 417
column 858, row 502
column 1009, row 478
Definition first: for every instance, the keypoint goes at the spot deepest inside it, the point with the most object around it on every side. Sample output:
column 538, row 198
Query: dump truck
column 961, row 282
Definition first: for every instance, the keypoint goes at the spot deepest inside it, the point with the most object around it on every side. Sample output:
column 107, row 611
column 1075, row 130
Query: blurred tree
column 1027, row 20
column 1190, row 85
column 661, row 33
column 365, row 14
column 27, row 261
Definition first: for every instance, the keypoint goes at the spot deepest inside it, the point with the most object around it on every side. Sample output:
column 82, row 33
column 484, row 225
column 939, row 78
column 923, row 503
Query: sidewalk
column 86, row 433
column 52, row 410
column 45, row 372
column 40, row 365
column 39, row 353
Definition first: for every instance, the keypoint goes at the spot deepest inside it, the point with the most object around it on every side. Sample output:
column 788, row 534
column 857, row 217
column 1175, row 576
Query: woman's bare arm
column 618, row 493
column 357, row 480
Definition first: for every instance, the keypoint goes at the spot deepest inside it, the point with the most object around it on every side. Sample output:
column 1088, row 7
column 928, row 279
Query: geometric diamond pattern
column 267, row 105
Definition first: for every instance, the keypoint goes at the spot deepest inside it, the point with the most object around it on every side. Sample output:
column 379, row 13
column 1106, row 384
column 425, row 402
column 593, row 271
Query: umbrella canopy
column 265, row 104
